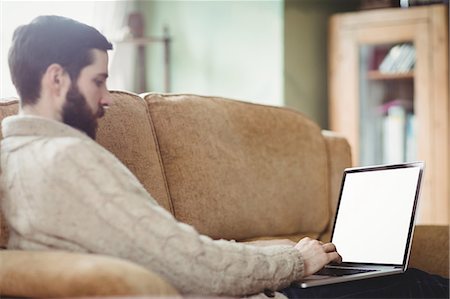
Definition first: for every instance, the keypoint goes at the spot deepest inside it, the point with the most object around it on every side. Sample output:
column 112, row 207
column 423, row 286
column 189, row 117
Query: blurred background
column 270, row 52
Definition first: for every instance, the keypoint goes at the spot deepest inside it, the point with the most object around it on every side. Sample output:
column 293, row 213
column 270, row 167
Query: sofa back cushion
column 238, row 170
column 127, row 132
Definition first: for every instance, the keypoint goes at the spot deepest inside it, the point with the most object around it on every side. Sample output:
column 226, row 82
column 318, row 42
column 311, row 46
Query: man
column 79, row 197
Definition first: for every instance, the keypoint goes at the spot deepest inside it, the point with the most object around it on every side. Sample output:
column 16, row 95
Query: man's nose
column 106, row 99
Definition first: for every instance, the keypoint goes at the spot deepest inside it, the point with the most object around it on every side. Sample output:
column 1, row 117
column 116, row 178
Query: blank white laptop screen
column 374, row 216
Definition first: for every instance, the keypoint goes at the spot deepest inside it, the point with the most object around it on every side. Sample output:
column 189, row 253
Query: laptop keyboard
column 341, row 272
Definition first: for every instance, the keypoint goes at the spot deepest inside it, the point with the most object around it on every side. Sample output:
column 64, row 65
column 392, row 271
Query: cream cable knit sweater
column 64, row 191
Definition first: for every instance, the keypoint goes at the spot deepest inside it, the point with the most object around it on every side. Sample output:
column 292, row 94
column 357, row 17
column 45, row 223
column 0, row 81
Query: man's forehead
column 100, row 57
column 99, row 65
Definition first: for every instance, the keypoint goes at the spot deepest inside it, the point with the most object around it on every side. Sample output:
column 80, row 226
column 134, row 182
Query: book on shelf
column 411, row 140
column 399, row 59
column 377, row 56
column 399, row 141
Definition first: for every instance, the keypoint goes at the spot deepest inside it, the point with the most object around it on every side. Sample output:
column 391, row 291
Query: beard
column 77, row 113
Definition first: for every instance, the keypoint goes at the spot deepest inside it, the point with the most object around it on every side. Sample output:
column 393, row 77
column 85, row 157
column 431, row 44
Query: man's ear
column 55, row 80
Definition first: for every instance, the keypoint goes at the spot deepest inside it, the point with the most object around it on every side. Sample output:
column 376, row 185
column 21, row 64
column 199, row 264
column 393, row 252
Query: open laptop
column 374, row 223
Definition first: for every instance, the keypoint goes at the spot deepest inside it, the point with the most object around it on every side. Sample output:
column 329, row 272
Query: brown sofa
column 232, row 169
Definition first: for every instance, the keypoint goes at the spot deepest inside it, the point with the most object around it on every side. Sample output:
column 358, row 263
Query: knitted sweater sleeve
column 102, row 208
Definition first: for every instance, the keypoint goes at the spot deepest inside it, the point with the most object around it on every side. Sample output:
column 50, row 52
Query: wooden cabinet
column 392, row 109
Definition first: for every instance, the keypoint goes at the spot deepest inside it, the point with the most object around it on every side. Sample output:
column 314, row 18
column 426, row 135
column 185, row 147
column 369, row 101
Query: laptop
column 374, row 223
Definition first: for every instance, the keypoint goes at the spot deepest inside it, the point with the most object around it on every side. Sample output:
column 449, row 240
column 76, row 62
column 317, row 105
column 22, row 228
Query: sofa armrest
column 53, row 274
column 339, row 158
column 430, row 249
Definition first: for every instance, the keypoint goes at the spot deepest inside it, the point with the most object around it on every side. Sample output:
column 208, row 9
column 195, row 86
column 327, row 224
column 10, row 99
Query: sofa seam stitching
column 160, row 159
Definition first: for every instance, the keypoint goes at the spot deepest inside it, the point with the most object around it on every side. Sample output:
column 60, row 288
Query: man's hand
column 316, row 254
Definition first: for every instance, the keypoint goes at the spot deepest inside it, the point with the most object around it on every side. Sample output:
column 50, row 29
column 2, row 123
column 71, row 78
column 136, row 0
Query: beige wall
column 306, row 53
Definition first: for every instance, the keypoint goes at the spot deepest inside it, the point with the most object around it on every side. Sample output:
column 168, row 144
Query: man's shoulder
column 37, row 131
column 73, row 148
column 51, row 148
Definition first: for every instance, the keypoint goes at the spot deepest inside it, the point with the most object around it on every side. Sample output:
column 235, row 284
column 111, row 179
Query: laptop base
column 319, row 280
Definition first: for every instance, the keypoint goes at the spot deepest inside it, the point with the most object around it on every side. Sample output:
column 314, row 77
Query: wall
column 226, row 48
column 306, row 54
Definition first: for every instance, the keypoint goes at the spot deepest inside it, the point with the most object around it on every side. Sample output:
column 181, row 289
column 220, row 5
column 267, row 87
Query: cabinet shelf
column 377, row 75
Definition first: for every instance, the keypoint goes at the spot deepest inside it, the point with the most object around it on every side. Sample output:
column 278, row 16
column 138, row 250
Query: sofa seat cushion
column 52, row 274
column 237, row 170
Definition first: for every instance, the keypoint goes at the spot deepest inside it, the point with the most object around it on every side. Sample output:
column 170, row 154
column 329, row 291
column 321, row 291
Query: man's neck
column 42, row 108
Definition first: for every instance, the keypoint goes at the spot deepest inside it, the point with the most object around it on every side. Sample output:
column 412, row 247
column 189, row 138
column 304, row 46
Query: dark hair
column 47, row 40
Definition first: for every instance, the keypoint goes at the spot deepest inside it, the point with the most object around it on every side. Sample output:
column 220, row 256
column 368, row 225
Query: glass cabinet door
column 387, row 131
